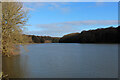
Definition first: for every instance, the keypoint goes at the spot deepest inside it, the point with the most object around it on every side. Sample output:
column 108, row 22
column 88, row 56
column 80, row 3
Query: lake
column 64, row 60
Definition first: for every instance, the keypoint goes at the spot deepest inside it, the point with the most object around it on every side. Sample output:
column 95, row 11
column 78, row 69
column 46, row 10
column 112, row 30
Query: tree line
column 101, row 35
column 42, row 39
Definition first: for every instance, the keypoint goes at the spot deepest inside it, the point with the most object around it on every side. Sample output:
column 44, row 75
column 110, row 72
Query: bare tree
column 14, row 17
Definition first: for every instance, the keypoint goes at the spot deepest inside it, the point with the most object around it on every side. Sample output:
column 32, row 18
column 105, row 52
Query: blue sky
column 57, row 19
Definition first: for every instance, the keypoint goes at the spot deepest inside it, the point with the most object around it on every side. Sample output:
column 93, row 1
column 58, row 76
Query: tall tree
column 14, row 17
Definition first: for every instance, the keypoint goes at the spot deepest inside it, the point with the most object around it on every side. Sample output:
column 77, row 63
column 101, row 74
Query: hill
column 101, row 35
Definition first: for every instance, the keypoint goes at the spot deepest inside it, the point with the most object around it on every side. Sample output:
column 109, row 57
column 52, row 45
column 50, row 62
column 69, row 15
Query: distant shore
column 101, row 35
column 98, row 36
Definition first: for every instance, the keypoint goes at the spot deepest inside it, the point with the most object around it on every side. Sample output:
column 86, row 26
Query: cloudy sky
column 60, row 18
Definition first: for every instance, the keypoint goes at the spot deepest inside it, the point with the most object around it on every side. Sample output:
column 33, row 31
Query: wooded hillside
column 102, row 35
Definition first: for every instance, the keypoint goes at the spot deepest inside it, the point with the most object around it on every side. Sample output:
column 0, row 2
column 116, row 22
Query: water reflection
column 15, row 67
column 0, row 62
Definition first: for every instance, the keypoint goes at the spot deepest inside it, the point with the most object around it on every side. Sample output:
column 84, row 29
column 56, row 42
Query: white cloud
column 33, row 6
column 93, row 22
column 30, row 9
column 60, row 29
column 52, row 5
column 79, row 23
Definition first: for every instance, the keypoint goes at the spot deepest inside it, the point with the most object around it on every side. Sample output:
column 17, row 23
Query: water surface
column 69, row 60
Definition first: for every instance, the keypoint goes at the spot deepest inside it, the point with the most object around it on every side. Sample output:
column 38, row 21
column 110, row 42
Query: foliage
column 1, row 75
column 103, row 35
column 43, row 39
column 14, row 17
